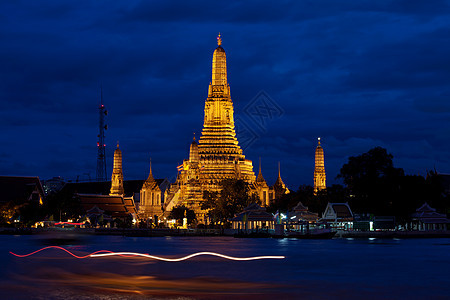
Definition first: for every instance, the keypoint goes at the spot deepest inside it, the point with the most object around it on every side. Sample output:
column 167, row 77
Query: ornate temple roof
column 279, row 182
column 260, row 178
column 150, row 182
column 115, row 206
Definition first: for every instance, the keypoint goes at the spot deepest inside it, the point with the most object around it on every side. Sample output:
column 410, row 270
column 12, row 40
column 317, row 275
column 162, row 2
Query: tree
column 372, row 181
column 8, row 211
column 64, row 204
column 233, row 197
column 180, row 212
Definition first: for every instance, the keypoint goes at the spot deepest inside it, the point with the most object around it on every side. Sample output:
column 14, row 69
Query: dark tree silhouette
column 233, row 198
column 373, row 182
column 180, row 211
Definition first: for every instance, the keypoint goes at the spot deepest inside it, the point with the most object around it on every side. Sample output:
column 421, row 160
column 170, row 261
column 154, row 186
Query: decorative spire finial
column 260, row 164
column 150, row 174
column 219, row 40
column 194, row 136
column 279, row 172
column 318, row 141
column 117, row 144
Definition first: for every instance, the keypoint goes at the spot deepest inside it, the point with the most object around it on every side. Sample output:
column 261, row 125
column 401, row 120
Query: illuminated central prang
column 217, row 156
column 220, row 154
column 319, row 169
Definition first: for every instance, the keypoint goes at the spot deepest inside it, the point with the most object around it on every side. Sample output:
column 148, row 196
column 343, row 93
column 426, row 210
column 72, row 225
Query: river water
column 311, row 269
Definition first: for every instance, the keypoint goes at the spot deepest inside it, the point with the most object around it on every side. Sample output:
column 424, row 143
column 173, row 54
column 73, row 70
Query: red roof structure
column 115, row 206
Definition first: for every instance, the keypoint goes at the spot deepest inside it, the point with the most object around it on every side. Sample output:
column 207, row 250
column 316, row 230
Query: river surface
column 311, row 269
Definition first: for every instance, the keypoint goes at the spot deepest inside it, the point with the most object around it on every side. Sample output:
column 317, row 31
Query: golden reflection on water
column 60, row 276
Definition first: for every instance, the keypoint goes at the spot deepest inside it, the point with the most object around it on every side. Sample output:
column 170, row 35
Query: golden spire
column 279, row 180
column 260, row 178
column 279, row 186
column 117, row 174
column 150, row 175
column 219, row 85
column 193, row 152
column 319, row 169
column 219, row 40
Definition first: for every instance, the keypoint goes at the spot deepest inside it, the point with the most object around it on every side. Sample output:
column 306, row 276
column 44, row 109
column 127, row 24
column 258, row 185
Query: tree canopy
column 376, row 186
column 180, row 211
column 233, row 197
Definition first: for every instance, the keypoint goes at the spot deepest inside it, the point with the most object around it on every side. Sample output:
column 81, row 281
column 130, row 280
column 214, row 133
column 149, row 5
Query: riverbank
column 160, row 232
column 137, row 232
column 393, row 234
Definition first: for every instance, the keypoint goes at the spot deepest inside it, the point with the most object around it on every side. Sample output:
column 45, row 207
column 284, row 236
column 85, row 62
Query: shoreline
column 161, row 232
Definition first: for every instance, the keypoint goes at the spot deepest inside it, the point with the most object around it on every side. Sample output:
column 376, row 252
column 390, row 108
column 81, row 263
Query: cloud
column 359, row 74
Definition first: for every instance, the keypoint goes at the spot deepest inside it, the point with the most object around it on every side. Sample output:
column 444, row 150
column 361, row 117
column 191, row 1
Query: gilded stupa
column 221, row 156
column 319, row 169
column 217, row 156
column 117, row 174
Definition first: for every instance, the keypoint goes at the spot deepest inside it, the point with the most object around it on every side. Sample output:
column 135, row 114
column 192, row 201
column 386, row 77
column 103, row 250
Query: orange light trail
column 105, row 253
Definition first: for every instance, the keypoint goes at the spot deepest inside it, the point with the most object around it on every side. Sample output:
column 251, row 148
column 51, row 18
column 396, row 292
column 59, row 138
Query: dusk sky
column 359, row 74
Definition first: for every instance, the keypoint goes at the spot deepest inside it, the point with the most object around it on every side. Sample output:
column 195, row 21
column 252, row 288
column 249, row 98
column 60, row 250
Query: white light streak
column 185, row 257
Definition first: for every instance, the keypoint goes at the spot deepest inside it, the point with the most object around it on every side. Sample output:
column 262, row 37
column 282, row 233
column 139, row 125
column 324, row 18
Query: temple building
column 319, row 169
column 217, row 155
column 267, row 194
column 116, row 204
column 264, row 192
column 279, row 187
column 150, row 198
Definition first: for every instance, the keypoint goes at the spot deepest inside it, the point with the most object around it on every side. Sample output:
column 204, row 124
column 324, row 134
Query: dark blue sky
column 359, row 74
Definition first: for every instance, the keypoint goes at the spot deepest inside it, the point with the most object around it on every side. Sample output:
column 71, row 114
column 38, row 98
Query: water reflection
column 53, row 273
column 313, row 269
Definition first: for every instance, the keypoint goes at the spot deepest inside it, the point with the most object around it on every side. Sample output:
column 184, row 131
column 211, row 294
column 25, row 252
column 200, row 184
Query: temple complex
column 319, row 169
column 217, row 155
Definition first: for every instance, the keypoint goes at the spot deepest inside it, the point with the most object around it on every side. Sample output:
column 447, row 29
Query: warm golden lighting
column 150, row 198
column 217, row 156
column 117, row 174
column 319, row 170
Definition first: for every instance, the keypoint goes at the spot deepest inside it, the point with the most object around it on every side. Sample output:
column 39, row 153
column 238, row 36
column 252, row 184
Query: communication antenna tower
column 101, row 156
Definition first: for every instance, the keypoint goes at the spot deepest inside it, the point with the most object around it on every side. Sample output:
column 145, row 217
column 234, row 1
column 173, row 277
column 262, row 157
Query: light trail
column 60, row 248
column 185, row 257
column 106, row 253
